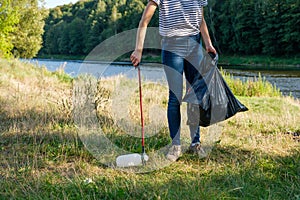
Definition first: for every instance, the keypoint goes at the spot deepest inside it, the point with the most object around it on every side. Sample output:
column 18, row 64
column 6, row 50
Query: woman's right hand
column 136, row 57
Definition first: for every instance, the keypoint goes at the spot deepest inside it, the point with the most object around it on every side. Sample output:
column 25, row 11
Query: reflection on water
column 287, row 81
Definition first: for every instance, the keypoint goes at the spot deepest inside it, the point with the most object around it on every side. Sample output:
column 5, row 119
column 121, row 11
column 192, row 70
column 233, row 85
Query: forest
column 237, row 27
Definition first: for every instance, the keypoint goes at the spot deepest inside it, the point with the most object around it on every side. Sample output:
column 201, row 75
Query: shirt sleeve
column 156, row 1
column 203, row 3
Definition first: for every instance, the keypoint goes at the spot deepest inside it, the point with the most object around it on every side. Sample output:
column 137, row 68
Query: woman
column 181, row 25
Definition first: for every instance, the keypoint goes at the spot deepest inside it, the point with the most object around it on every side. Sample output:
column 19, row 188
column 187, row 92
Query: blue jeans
column 180, row 54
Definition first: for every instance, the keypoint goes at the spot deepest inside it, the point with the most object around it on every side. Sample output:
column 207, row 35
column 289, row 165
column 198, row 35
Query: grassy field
column 43, row 157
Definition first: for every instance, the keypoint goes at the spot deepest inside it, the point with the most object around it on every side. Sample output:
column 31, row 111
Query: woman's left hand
column 211, row 49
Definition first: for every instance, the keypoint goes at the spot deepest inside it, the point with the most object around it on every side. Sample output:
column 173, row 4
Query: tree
column 8, row 19
column 27, row 37
column 96, row 25
column 77, row 33
column 291, row 26
column 225, row 27
column 115, row 16
column 64, row 39
column 246, row 26
column 133, row 10
column 53, row 38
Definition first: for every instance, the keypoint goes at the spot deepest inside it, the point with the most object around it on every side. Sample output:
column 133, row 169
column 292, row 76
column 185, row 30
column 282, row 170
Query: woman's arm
column 141, row 33
column 205, row 35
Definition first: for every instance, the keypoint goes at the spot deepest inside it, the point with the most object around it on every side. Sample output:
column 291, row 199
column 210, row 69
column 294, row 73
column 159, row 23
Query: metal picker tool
column 135, row 159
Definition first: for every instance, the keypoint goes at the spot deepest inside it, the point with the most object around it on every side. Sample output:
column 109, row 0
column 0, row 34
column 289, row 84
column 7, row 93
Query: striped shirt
column 180, row 17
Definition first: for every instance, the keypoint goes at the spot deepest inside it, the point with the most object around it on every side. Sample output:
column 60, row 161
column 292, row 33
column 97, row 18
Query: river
column 287, row 81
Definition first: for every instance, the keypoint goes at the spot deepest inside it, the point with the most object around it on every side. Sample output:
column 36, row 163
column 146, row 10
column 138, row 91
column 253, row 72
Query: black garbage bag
column 209, row 98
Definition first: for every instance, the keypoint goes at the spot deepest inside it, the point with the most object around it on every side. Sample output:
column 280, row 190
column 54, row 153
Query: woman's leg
column 173, row 65
column 191, row 70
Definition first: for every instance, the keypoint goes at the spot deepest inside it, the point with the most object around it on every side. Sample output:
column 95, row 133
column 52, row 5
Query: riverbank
column 42, row 156
column 249, row 62
column 287, row 80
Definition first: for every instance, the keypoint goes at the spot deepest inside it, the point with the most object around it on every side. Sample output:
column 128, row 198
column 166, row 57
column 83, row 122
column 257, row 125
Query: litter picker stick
column 135, row 159
column 142, row 117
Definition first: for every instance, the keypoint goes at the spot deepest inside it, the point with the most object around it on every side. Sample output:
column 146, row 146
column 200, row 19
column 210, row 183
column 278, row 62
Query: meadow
column 42, row 155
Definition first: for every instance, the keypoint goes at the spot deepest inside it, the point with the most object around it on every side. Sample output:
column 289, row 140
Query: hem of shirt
column 179, row 35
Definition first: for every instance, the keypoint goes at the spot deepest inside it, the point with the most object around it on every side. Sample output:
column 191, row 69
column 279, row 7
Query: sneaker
column 198, row 150
column 174, row 153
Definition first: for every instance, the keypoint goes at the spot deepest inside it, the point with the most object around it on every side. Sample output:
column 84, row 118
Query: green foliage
column 247, row 27
column 8, row 20
column 64, row 42
column 76, row 33
column 27, row 38
column 240, row 27
column 52, row 38
column 261, row 62
column 95, row 26
column 21, row 28
column 77, row 29
column 291, row 26
column 258, row 87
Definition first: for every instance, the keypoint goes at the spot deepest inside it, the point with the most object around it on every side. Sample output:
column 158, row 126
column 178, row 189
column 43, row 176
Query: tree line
column 270, row 27
column 242, row 27
column 75, row 29
column 237, row 27
column 21, row 28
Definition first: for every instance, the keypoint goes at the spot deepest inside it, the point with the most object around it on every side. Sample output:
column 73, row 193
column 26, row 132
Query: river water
column 287, row 81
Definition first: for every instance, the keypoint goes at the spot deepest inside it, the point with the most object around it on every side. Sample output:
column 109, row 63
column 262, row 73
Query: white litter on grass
column 88, row 181
column 130, row 160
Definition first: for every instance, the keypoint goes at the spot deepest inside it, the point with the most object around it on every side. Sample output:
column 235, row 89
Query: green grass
column 252, row 87
column 261, row 61
column 62, row 57
column 42, row 156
